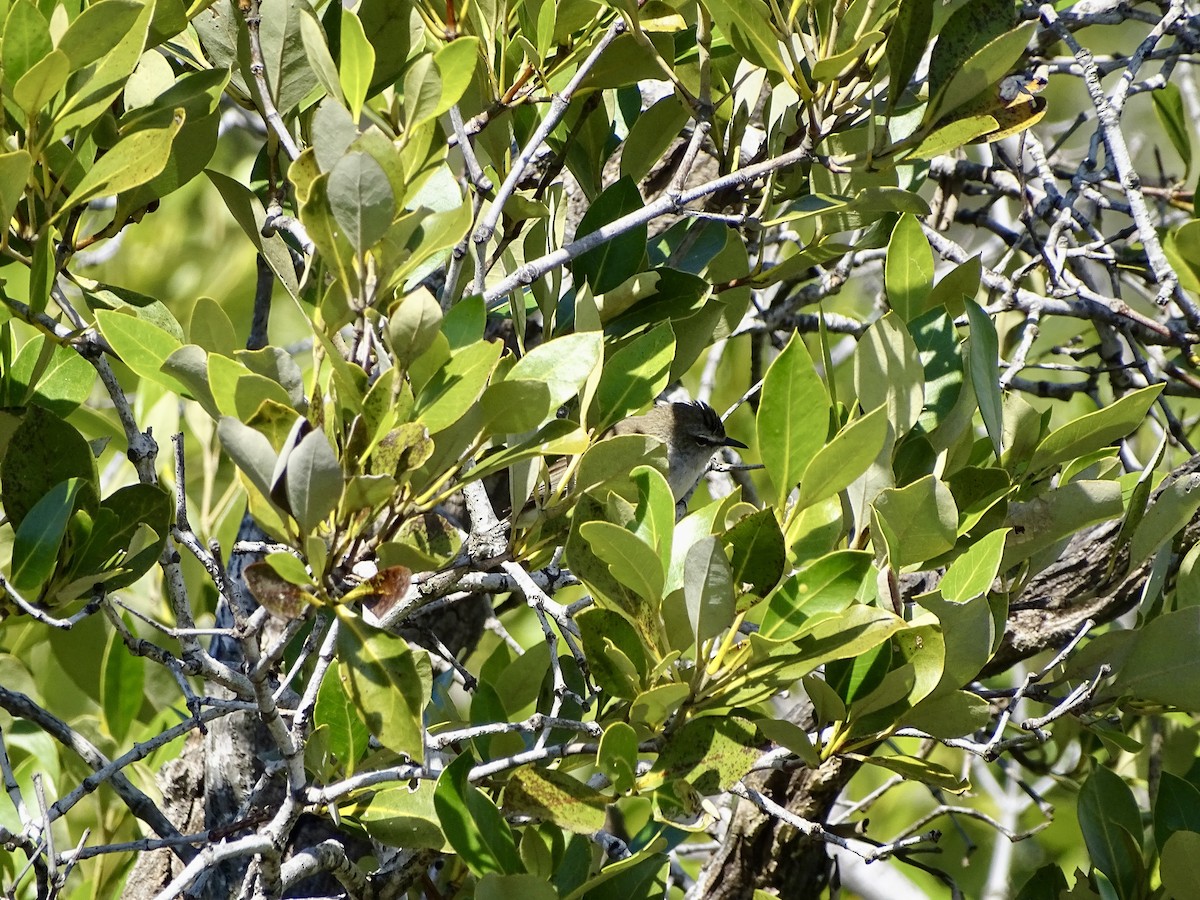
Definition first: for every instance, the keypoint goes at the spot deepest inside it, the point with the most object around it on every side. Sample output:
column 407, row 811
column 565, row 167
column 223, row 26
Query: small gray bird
column 693, row 432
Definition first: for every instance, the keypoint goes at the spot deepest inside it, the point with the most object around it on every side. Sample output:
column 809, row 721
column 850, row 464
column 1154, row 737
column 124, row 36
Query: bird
column 692, row 432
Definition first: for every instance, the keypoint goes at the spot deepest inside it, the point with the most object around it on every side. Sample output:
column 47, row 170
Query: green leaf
column 361, row 199
column 357, row 63
column 1045, row 520
column 412, row 325
column 472, row 823
column 40, row 534
column 454, row 387
column 651, row 134
column 1095, row 429
column 557, row 797
column 14, row 173
column 617, row 756
column 387, row 681
column 793, row 417
column 104, row 82
column 403, row 817
column 131, row 529
column 747, row 26
column 823, row 587
column 562, row 364
column 918, row 522
column 790, row 735
column 758, row 551
column 984, row 70
column 708, row 589
column 316, row 48
column 493, row 886
column 615, row 653
column 1168, row 106
column 456, row 67
column 969, row 28
column 957, row 286
column 1180, row 866
column 122, row 686
column 314, row 481
column 422, row 91
column 42, row 452
column 347, row 733
column 515, row 406
column 923, row 770
column 1162, row 666
column 906, row 44
column 984, row 364
column 908, row 272
column 953, row 136
column 710, row 753
column 616, row 260
column 26, row 40
column 972, row 574
column 60, row 382
column 1047, row 883
column 42, row 82
column 1112, row 829
column 654, row 516
column 634, row 375
column 247, row 210
column 289, row 568
column 887, row 369
column 135, row 160
column 632, row 561
column 831, row 68
column 1170, row 512
column 1176, row 808
column 840, row 462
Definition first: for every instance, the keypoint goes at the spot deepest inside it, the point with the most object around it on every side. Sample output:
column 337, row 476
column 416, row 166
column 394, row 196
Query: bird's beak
column 730, row 442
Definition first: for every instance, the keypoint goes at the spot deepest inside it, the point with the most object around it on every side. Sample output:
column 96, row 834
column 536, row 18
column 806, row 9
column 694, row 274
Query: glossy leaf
column 617, row 756
column 984, row 365
column 630, row 560
column 1176, row 808
column 793, row 417
column 1112, row 829
column 1168, row 106
column 357, row 63
column 919, row 521
column 361, row 199
column 472, row 823
column 39, row 536
column 758, row 551
column 1172, row 509
column 122, row 686
column 908, row 273
column 634, row 375
column 838, row 463
column 135, row 160
column 708, row 589
column 972, row 574
column 887, row 369
column 710, row 753
column 1095, row 429
column 388, row 682
column 42, row 452
column 824, row 586
column 562, row 364
column 618, row 259
column 906, row 45
column 314, row 481
column 552, row 795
